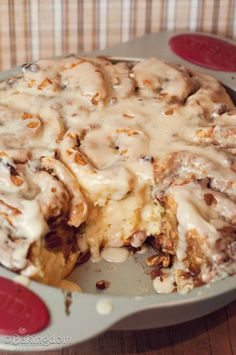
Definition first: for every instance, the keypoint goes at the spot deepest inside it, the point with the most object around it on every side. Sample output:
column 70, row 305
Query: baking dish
column 125, row 305
column 125, row 312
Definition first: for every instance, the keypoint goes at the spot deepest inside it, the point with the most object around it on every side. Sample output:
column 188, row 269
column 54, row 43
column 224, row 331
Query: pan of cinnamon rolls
column 99, row 153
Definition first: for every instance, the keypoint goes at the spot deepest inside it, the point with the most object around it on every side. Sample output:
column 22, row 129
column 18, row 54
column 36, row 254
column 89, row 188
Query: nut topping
column 102, row 284
column 158, row 260
column 210, row 199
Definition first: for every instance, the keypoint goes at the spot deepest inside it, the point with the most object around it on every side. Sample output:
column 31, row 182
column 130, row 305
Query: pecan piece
column 102, row 284
column 79, row 159
column 210, row 199
column 158, row 260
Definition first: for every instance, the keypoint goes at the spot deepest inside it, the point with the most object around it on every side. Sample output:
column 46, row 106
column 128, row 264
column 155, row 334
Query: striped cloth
column 30, row 29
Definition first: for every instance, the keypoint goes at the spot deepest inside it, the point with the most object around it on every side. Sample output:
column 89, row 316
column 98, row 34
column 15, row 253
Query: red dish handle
column 22, row 312
column 206, row 51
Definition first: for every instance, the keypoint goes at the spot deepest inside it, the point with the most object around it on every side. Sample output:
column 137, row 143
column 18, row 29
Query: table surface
column 213, row 334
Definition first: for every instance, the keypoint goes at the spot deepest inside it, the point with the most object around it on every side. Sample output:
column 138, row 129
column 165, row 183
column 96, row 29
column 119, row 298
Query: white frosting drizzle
column 24, row 221
column 115, row 255
column 164, row 285
column 104, row 307
column 192, row 214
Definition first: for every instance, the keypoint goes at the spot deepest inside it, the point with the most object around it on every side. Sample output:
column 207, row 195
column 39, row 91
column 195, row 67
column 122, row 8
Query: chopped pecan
column 205, row 133
column 31, row 83
column 102, row 284
column 26, row 115
column 95, row 99
column 45, row 83
column 194, row 269
column 32, row 124
column 18, row 181
column 128, row 131
column 156, row 273
column 169, row 112
column 158, row 260
column 129, row 116
column 79, row 159
column 210, row 199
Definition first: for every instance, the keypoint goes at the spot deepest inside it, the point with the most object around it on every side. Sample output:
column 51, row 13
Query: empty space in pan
column 130, row 278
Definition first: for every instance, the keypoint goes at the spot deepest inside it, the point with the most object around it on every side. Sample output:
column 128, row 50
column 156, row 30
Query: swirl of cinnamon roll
column 37, row 210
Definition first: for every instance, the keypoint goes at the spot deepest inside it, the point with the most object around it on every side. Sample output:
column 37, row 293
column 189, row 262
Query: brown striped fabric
column 30, row 29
